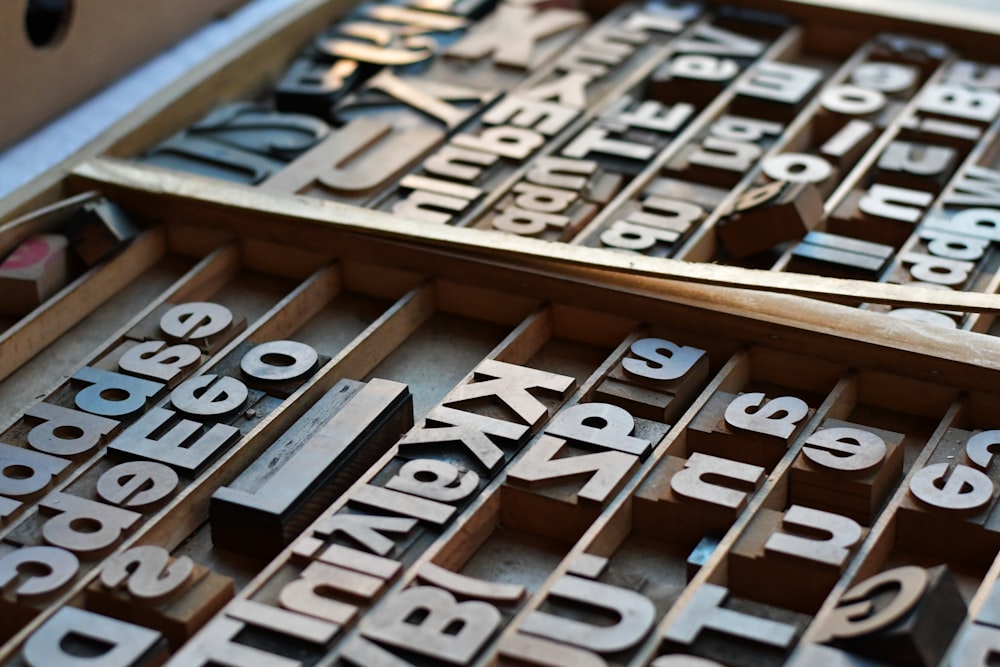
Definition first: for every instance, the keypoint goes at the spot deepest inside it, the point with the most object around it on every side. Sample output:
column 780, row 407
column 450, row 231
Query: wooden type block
column 768, row 215
column 38, row 268
column 208, row 158
column 588, row 452
column 558, row 490
column 848, row 143
column 540, row 211
column 704, row 196
column 312, row 84
column 951, row 102
column 906, row 616
column 87, row 528
column 154, row 360
column 729, row 149
column 734, row 631
column 807, row 546
column 839, row 256
column 961, row 136
column 638, row 400
column 207, row 326
column 278, row 367
column 719, row 164
column 656, row 379
column 694, row 78
column 847, row 468
column 917, row 262
column 98, row 230
column 576, row 612
column 26, row 474
column 775, row 89
column 172, row 596
column 848, row 120
column 310, row 465
column 882, row 214
column 916, row 166
column 677, row 504
column 723, row 428
column 752, row 22
column 30, row 578
column 950, row 510
column 241, row 142
column 186, row 442
column 70, row 635
column 904, row 49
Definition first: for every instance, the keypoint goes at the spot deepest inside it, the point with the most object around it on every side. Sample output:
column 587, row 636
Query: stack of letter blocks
column 286, row 412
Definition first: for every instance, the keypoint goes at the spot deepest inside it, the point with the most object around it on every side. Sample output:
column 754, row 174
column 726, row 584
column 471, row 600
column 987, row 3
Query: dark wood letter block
column 98, row 230
column 848, row 469
column 762, row 444
column 906, row 616
column 194, row 594
column 677, row 504
column 950, row 509
column 768, row 215
column 808, row 547
column 69, row 638
column 305, row 469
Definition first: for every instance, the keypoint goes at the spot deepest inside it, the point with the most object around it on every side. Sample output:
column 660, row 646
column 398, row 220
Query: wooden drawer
column 279, row 430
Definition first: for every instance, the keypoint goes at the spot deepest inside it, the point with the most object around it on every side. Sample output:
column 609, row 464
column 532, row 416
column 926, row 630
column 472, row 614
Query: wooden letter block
column 346, row 430
column 954, row 495
column 30, row 577
column 37, row 269
column 656, row 380
column 917, row 166
column 558, row 490
column 807, row 546
column 636, row 615
column 186, row 445
column 68, row 638
column 98, row 230
column 85, row 527
column 838, row 256
column 207, row 326
column 25, row 473
column 145, row 585
column 717, row 626
column 768, row 215
column 883, row 214
column 775, row 90
column 907, row 615
column 682, row 501
column 848, row 469
column 726, row 428
column 475, row 620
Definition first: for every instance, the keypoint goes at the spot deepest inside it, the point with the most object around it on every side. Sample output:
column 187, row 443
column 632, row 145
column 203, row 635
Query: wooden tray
column 674, row 460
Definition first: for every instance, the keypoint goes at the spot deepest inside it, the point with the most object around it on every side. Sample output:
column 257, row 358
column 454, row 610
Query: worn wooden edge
column 785, row 320
column 526, row 251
